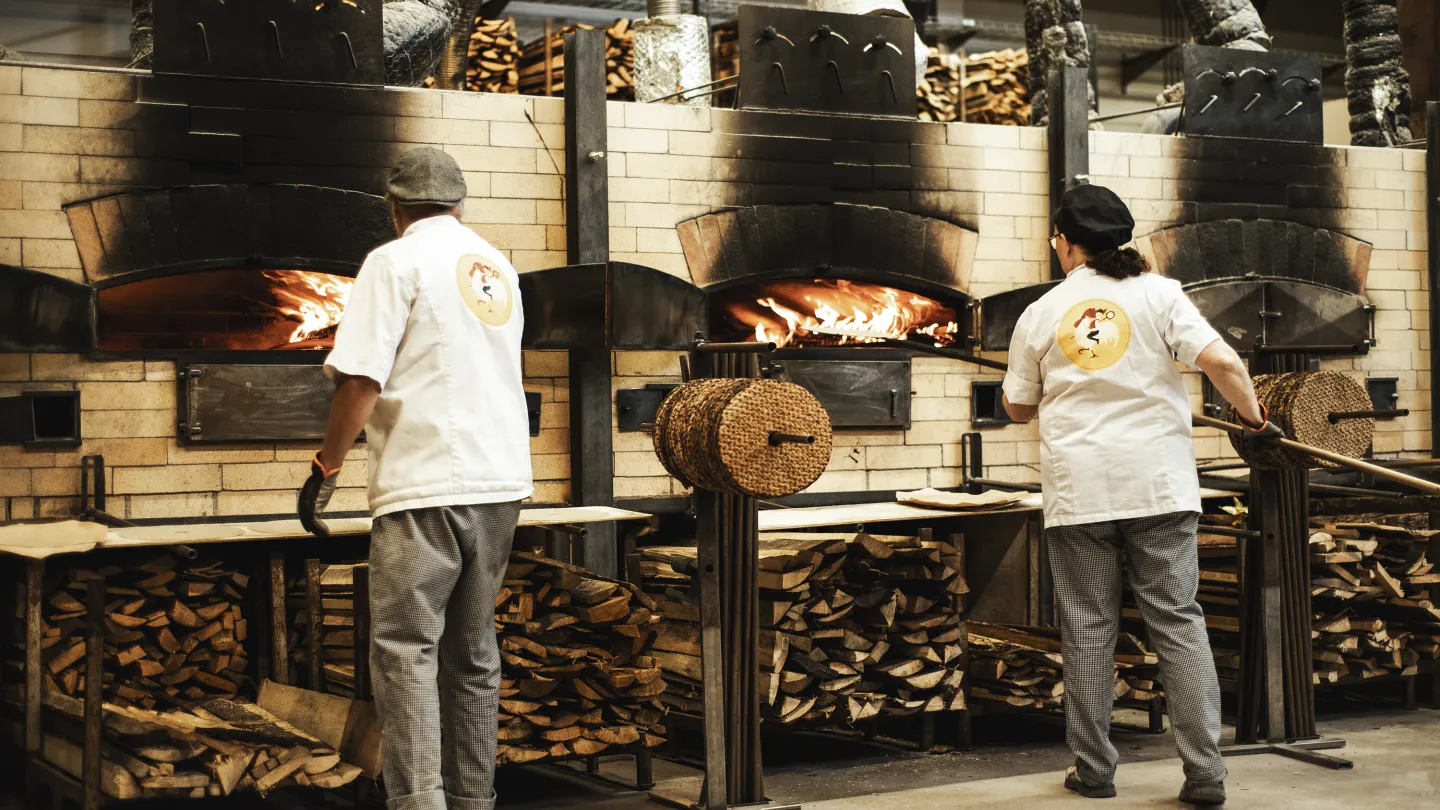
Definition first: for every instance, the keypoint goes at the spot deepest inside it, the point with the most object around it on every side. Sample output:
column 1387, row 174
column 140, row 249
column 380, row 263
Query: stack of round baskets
column 1301, row 404
column 716, row 434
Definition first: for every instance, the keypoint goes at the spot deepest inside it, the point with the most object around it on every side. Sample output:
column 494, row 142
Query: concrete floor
column 1396, row 755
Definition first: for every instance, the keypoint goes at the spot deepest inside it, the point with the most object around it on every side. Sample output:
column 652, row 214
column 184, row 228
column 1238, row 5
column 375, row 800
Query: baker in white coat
column 427, row 361
column 1095, row 358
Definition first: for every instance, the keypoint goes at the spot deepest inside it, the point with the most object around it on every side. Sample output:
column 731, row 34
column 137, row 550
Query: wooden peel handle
column 1336, row 458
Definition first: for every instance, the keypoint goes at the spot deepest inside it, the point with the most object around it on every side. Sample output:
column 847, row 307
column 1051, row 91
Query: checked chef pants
column 1164, row 573
column 434, row 663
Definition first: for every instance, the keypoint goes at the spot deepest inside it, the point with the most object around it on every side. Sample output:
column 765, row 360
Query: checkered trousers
column 434, row 575
column 1164, row 574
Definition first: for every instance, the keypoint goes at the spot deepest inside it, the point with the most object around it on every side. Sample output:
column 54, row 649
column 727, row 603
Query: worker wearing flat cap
column 1095, row 358
column 427, row 361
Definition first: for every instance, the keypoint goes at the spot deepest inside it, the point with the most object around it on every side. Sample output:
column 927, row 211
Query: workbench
column 269, row 547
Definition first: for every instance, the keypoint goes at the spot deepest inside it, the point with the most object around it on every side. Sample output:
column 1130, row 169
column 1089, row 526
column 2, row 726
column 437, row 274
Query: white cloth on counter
column 435, row 317
column 1098, row 356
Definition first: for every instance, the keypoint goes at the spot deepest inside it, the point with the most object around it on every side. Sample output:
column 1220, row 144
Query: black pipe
column 940, row 351
column 746, row 348
column 1336, row 416
column 1432, row 260
column 996, row 484
column 777, row 438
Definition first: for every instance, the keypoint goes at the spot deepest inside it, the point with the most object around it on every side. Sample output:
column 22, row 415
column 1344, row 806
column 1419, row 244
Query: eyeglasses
column 1052, row 241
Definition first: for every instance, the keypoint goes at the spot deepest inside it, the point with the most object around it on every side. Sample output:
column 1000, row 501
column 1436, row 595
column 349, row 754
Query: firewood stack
column 175, row 631
column 1370, row 596
column 992, row 86
column 493, row 57
column 337, row 629
column 853, row 626
column 216, row 747
column 1022, row 667
column 542, row 62
column 725, row 58
column 576, row 678
column 576, row 674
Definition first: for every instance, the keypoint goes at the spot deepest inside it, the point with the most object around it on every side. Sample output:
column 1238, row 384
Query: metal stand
column 1277, row 694
column 728, row 558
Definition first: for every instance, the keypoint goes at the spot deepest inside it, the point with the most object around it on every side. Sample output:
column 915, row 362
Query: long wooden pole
column 1336, row 458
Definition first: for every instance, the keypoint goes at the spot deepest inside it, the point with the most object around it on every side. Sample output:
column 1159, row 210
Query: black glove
column 315, row 497
column 1265, row 431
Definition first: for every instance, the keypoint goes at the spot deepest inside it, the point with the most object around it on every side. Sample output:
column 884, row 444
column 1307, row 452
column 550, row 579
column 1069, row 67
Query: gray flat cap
column 426, row 175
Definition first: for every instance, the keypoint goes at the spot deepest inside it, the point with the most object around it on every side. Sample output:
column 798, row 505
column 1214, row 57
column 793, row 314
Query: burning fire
column 794, row 310
column 316, row 300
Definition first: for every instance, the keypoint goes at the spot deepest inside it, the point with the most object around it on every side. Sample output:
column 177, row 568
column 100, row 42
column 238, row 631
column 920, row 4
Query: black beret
column 1094, row 218
column 426, row 175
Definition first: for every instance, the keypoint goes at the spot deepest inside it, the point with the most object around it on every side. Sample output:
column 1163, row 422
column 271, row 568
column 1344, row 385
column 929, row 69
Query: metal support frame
column 1277, row 699
column 727, row 562
column 1069, row 137
column 1432, row 261
column 592, row 460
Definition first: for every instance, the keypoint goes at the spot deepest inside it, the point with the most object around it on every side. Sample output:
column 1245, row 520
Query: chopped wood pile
column 725, row 58
column 215, row 747
column 1022, row 667
column 1370, row 593
column 576, row 677
column 853, row 626
column 174, row 631
column 541, row 68
column 493, row 59
column 337, row 629
column 988, row 88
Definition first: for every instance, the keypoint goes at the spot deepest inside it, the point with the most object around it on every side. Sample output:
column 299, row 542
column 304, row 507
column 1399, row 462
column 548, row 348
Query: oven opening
column 795, row 312
column 223, row 309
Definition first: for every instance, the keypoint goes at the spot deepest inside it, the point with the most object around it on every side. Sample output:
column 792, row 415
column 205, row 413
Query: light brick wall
column 1384, row 193
column 68, row 135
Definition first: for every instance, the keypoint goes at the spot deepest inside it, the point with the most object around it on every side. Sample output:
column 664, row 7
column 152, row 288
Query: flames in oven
column 227, row 309
column 315, row 300
column 798, row 312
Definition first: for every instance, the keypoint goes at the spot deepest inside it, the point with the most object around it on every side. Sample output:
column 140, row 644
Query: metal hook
column 784, row 85
column 279, row 49
column 206, row 40
column 1247, row 107
column 770, row 33
column 355, row 63
column 1227, row 78
column 1248, row 70
column 880, row 42
column 826, row 31
column 894, row 97
column 838, row 81
column 1207, row 105
column 1297, row 106
column 1311, row 85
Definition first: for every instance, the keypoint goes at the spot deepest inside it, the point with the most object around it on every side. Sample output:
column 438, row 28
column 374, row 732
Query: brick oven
column 129, row 200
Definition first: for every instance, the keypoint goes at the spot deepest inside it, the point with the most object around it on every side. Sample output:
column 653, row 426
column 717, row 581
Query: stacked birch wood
column 576, row 674
column 853, row 626
column 215, row 747
column 1371, row 588
column 337, row 629
column 1022, row 667
column 541, row 67
column 988, row 88
column 175, row 631
column 493, row 57
column 725, row 58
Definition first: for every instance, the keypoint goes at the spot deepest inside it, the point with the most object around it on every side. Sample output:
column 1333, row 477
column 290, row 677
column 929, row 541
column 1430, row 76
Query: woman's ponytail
column 1119, row 263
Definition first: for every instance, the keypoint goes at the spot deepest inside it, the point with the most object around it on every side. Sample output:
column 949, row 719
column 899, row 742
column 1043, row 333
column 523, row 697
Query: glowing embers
column 230, row 309
column 797, row 312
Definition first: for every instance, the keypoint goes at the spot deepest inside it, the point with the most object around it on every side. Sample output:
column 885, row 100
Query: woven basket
column 1301, row 403
column 715, row 434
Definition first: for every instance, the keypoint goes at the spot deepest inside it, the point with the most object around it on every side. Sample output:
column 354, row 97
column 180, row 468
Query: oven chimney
column 672, row 54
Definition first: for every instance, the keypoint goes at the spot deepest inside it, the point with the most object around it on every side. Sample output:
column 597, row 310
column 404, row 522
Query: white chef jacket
column 435, row 318
column 1098, row 356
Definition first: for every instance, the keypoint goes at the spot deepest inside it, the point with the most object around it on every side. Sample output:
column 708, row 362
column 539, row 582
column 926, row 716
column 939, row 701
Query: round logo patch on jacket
column 1094, row 334
column 485, row 290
